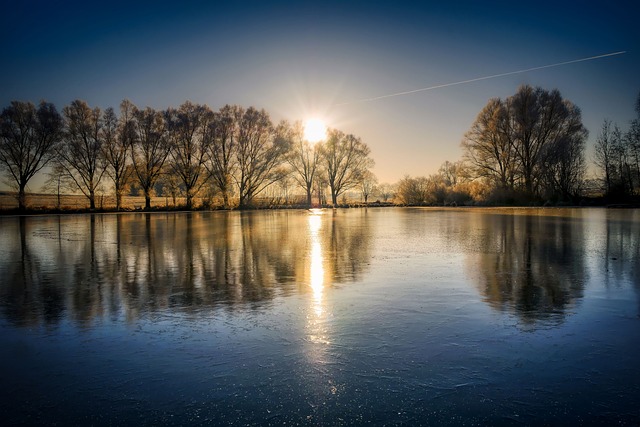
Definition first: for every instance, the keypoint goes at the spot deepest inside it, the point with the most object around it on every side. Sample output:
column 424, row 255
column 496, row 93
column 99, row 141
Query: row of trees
column 235, row 151
column 527, row 147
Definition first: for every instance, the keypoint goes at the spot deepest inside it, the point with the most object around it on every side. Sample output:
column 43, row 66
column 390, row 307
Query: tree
column 345, row 159
column 118, row 135
column 189, row 133
column 511, row 141
column 56, row 182
column 169, row 184
column 28, row 138
column 222, row 148
column 563, row 162
column 260, row 151
column 613, row 157
column 149, row 149
column 488, row 145
column 80, row 154
column 367, row 185
column 303, row 159
column 633, row 142
column 604, row 154
column 385, row 190
column 452, row 174
column 622, row 160
column 543, row 119
column 413, row 191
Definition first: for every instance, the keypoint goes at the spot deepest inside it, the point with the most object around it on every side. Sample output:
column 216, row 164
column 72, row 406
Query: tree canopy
column 28, row 138
column 532, row 142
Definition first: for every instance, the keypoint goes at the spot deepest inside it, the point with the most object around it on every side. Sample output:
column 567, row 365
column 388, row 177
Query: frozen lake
column 389, row 316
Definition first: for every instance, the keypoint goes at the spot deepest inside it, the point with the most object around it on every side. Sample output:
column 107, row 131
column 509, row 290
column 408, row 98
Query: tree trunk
column 147, row 199
column 309, row 195
column 118, row 200
column 189, row 200
column 22, row 197
column 92, row 200
column 225, row 198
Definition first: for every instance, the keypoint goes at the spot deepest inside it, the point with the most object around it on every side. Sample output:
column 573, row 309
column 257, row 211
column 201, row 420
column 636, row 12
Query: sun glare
column 315, row 130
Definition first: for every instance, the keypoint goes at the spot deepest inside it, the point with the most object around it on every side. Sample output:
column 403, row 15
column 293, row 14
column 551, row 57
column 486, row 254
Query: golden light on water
column 317, row 268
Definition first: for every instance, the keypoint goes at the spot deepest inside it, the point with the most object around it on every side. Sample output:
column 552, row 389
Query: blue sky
column 301, row 59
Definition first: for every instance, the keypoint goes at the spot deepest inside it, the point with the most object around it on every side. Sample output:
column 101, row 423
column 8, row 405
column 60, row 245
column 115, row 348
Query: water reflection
column 532, row 264
column 621, row 262
column 90, row 267
column 316, row 317
column 317, row 269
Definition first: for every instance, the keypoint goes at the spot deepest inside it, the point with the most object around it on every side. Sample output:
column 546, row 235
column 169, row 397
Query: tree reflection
column 29, row 295
column 621, row 261
column 124, row 265
column 531, row 264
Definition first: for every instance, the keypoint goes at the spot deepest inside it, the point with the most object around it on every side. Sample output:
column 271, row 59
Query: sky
column 323, row 59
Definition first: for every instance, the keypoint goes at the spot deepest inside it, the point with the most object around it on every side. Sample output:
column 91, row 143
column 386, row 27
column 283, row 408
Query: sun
column 315, row 130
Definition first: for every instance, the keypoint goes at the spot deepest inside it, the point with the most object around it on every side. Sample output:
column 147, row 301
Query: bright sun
column 315, row 130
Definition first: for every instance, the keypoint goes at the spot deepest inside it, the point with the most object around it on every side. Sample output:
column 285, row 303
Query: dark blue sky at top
column 298, row 59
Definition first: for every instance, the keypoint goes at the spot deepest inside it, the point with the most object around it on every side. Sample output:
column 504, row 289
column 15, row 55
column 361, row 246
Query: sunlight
column 315, row 130
column 317, row 269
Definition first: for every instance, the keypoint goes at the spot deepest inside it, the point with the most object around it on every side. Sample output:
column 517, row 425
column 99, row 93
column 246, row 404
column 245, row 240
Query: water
column 379, row 316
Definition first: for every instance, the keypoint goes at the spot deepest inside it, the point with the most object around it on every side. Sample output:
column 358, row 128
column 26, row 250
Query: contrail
column 408, row 92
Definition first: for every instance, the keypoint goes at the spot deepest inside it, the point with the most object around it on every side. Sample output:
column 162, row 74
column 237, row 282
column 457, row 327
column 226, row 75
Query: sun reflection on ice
column 316, row 319
column 317, row 269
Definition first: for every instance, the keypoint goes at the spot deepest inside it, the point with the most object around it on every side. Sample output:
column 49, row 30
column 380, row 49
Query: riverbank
column 42, row 204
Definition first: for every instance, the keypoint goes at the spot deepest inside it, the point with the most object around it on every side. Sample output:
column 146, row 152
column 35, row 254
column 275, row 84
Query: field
column 73, row 202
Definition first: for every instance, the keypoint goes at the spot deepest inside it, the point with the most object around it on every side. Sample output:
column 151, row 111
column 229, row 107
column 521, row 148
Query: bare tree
column 605, row 155
column 28, row 138
column 260, row 152
column 149, row 149
column 80, row 154
column 563, row 165
column 169, row 184
column 189, row 133
column 614, row 156
column 223, row 148
column 543, row 120
column 488, row 145
column 633, row 142
column 452, row 173
column 345, row 158
column 386, row 191
column 511, row 140
column 622, row 162
column 303, row 159
column 413, row 191
column 57, row 181
column 368, row 182
column 118, row 136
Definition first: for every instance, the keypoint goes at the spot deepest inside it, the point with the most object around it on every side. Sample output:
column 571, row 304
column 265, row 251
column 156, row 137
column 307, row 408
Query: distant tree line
column 530, row 148
column 617, row 156
column 234, row 152
column 527, row 148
